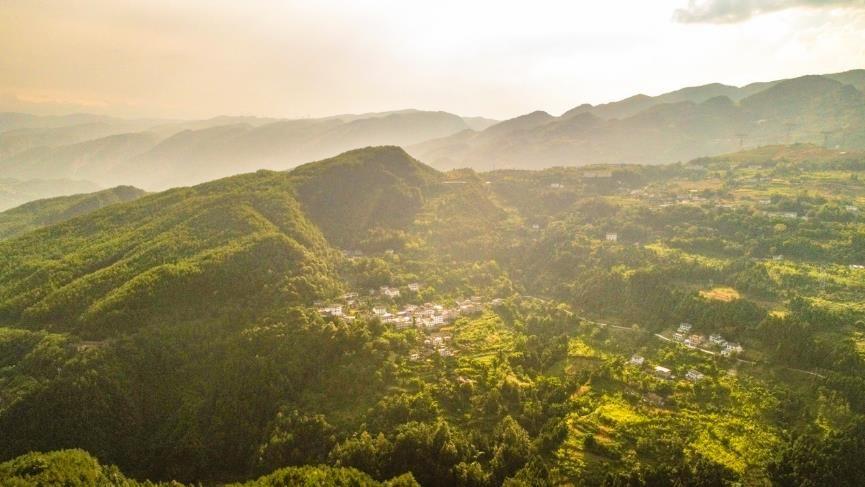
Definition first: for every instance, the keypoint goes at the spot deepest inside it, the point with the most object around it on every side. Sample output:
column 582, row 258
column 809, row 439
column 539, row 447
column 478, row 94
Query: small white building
column 637, row 360
column 612, row 237
column 414, row 287
column 557, row 185
column 390, row 292
column 331, row 310
column 684, row 328
column 663, row 372
column 694, row 376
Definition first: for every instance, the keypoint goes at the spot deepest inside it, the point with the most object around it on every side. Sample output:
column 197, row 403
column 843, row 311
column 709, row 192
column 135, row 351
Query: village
column 684, row 337
column 428, row 317
column 726, row 349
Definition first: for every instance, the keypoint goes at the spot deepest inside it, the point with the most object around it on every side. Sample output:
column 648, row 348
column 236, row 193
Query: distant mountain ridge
column 680, row 125
column 162, row 154
column 690, row 122
column 41, row 213
column 15, row 192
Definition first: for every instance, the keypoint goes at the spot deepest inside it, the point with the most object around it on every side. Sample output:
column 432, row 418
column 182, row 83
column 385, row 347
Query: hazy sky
column 201, row 58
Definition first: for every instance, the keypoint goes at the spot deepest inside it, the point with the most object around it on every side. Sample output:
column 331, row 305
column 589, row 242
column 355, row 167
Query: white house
column 390, row 292
column 663, row 372
column 694, row 376
column 414, row 287
column 331, row 310
column 637, row 360
column 612, row 237
column 684, row 328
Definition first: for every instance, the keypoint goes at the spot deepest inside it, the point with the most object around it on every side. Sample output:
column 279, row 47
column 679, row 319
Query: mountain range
column 14, row 192
column 44, row 212
column 679, row 125
column 162, row 154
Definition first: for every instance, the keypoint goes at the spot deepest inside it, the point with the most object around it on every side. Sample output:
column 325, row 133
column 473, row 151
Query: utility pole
column 826, row 134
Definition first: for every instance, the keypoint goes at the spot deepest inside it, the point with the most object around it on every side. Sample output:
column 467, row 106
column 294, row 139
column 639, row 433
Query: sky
column 498, row 59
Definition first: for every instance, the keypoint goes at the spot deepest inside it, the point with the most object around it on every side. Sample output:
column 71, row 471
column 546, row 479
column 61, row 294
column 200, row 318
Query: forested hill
column 242, row 246
column 694, row 323
column 76, row 468
column 40, row 213
column 376, row 187
column 239, row 245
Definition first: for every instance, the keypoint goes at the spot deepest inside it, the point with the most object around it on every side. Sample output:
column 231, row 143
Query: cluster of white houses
column 427, row 316
column 727, row 349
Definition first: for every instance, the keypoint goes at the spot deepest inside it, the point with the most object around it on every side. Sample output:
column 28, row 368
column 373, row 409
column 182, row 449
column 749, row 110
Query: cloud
column 732, row 11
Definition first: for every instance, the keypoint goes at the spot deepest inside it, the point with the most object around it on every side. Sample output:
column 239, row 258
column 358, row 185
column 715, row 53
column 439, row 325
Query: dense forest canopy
column 368, row 320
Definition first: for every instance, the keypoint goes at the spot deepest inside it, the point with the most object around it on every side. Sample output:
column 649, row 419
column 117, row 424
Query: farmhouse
column 390, row 292
column 694, row 376
column 331, row 310
column 663, row 372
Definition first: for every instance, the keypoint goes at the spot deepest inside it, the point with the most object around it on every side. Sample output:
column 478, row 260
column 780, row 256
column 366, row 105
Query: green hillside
column 41, row 213
column 75, row 468
column 366, row 319
column 349, row 195
column 237, row 244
